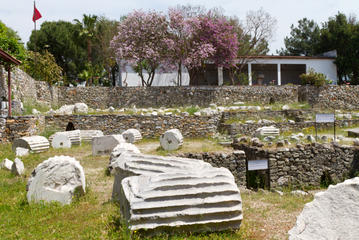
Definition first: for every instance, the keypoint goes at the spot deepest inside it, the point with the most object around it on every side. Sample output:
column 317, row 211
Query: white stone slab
column 105, row 144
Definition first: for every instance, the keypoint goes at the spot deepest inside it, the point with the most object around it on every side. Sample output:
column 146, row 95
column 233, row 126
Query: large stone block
column 57, row 179
column 134, row 164
column 205, row 200
column 171, row 140
column 132, row 135
column 105, row 144
column 74, row 136
column 35, row 144
column 333, row 214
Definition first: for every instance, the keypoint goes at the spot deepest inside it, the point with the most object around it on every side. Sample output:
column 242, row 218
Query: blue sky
column 18, row 13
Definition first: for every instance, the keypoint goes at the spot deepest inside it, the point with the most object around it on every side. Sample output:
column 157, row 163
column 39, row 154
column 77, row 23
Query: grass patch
column 93, row 216
column 30, row 104
column 192, row 145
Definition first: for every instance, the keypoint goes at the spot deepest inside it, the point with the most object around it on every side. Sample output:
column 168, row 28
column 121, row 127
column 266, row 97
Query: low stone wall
column 297, row 115
column 16, row 127
column 249, row 129
column 103, row 97
column 149, row 126
column 306, row 164
column 331, row 96
column 235, row 162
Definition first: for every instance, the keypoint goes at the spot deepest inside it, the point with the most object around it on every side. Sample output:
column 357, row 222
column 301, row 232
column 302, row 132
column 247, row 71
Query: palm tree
column 88, row 28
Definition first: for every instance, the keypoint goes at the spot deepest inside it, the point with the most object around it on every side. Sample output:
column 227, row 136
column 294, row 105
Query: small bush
column 313, row 78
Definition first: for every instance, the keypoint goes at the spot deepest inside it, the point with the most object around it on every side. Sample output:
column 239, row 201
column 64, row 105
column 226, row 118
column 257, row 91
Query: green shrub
column 314, row 78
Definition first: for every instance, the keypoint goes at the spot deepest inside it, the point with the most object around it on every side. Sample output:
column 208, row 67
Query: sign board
column 324, row 117
column 257, row 165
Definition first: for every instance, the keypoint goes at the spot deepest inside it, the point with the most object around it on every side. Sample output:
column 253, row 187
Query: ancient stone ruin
column 56, row 179
column 171, row 140
column 207, row 199
column 61, row 141
column 333, row 214
column 156, row 192
column 119, row 149
column 35, row 144
column 74, row 137
column 88, row 135
column 105, row 144
column 132, row 135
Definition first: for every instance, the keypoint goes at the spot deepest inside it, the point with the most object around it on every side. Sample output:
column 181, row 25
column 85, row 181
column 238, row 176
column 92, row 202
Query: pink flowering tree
column 197, row 39
column 142, row 42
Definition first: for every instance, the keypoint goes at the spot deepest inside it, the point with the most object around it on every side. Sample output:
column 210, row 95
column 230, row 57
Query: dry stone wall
column 250, row 129
column 234, row 162
column 149, row 126
column 306, row 164
column 103, row 97
column 17, row 127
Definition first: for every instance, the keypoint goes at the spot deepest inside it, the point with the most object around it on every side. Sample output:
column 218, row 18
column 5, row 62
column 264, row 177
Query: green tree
column 342, row 34
column 11, row 43
column 43, row 67
column 303, row 40
column 88, row 28
column 61, row 39
column 104, row 56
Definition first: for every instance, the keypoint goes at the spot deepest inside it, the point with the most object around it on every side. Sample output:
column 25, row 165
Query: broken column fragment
column 35, row 144
column 171, row 140
column 206, row 200
column 132, row 135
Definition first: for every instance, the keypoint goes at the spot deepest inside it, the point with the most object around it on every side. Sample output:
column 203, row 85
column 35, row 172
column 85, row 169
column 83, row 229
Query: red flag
column 37, row 14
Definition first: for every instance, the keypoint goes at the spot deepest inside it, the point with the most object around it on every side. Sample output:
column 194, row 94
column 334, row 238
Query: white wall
column 325, row 66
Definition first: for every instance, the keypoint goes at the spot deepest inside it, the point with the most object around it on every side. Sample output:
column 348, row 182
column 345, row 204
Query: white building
column 265, row 70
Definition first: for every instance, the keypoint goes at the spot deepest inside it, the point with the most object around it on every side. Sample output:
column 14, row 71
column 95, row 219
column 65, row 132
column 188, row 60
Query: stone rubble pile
column 56, row 179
